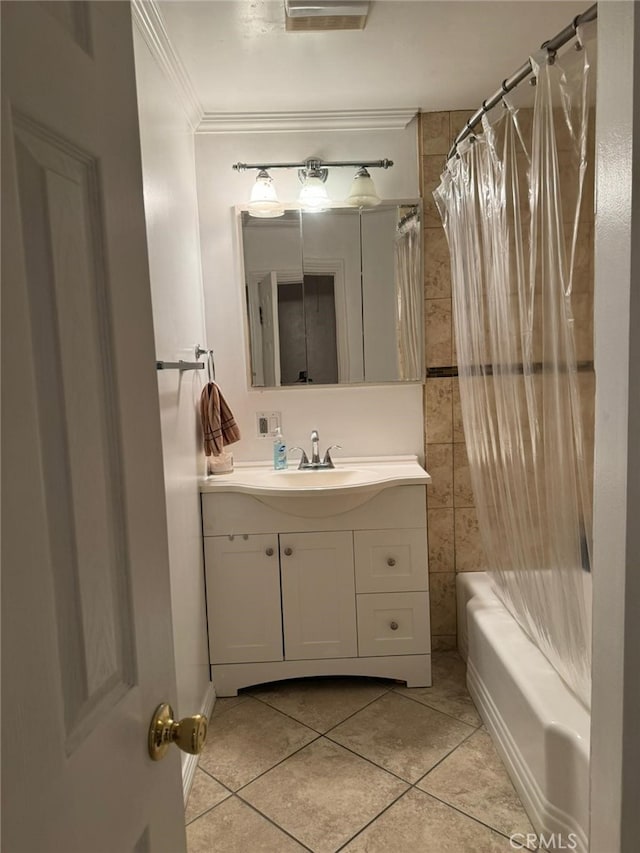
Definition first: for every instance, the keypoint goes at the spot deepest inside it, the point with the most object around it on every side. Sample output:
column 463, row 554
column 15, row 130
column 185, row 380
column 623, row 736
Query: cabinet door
column 318, row 595
column 243, row 598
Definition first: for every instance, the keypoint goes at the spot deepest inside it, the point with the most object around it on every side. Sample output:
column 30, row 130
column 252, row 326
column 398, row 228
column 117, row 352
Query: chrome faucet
column 316, row 464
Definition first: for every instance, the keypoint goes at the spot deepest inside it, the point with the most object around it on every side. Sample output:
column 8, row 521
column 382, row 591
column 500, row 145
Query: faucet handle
column 314, row 435
column 304, row 459
column 328, row 461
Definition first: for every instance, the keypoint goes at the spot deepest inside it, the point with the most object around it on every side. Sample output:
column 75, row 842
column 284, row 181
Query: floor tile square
column 205, row 793
column 417, row 822
column 225, row 703
column 400, row 735
column 321, row 703
column 449, row 692
column 323, row 795
column 234, row 827
column 474, row 780
column 248, row 739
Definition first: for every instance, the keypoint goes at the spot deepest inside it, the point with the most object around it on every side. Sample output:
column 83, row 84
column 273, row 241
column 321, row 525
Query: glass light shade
column 313, row 195
column 264, row 200
column 363, row 191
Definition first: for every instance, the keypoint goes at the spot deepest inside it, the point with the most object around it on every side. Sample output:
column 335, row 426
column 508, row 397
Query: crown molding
column 296, row 122
column 150, row 23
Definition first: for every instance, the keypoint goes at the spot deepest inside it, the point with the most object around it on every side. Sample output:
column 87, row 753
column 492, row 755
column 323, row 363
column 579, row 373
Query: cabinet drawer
column 393, row 624
column 391, row 560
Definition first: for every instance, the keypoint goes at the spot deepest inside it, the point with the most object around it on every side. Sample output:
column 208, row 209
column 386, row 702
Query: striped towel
column 219, row 427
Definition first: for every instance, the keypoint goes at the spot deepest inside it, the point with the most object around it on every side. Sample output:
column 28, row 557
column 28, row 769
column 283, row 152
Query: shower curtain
column 513, row 210
column 408, row 275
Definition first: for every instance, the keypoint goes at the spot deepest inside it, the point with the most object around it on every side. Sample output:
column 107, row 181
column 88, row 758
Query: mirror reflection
column 335, row 297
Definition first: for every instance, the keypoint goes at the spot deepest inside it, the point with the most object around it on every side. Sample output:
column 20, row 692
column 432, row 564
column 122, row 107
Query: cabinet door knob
column 269, row 552
column 393, row 626
column 391, row 561
column 288, row 552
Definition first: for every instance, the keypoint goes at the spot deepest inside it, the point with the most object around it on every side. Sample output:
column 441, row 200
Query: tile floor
column 353, row 764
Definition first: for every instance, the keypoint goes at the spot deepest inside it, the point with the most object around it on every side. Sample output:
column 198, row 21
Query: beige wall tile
column 444, row 643
column 582, row 304
column 583, row 263
column 469, row 552
column 437, row 264
column 439, row 463
column 435, row 133
column 443, row 603
column 462, row 491
column 438, row 411
column 441, row 539
column 432, row 168
column 438, row 332
column 457, row 120
column 568, row 168
column 458, row 429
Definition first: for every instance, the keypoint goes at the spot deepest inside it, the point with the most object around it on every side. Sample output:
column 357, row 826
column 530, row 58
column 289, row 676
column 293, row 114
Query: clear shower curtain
column 512, row 207
column 408, row 300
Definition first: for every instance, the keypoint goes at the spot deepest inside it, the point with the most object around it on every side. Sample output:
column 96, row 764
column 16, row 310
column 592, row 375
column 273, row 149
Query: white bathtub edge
column 540, row 730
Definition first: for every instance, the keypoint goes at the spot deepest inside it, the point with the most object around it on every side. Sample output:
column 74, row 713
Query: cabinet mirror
column 335, row 297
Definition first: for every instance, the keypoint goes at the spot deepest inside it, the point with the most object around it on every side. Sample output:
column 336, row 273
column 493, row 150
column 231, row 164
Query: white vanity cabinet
column 291, row 596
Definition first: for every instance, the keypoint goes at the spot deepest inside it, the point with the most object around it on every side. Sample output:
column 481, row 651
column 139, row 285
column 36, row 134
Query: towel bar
column 179, row 365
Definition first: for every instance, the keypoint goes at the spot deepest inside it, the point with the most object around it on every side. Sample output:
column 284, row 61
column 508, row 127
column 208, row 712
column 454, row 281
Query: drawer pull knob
column 391, row 561
column 393, row 626
column 288, row 552
column 269, row 552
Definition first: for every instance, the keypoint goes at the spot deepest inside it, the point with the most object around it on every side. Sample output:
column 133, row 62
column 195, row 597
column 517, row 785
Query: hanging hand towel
column 219, row 427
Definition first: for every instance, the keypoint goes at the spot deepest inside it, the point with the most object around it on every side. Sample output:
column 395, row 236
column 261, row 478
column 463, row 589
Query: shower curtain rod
column 510, row 83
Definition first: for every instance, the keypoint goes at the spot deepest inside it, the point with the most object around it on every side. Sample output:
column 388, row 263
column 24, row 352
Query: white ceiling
column 413, row 53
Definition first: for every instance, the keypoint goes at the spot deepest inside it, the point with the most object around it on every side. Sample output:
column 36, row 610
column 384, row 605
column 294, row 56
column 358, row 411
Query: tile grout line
column 432, row 708
column 348, row 717
column 273, row 823
column 373, row 820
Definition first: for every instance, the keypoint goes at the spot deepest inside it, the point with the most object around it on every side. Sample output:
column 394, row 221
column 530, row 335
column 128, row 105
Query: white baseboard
column 190, row 762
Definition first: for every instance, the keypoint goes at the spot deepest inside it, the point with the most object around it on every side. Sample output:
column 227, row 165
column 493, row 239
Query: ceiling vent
column 324, row 15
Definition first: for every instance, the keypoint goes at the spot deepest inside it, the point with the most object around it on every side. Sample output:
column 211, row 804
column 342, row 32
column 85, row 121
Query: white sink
column 317, row 494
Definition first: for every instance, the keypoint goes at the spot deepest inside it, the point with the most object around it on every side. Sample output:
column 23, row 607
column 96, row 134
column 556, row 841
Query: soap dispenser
column 279, row 451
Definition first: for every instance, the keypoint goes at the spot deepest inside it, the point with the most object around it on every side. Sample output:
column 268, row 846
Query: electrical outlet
column 267, row 423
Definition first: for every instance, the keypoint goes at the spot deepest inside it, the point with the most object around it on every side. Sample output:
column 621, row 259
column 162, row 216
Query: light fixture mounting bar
column 314, row 163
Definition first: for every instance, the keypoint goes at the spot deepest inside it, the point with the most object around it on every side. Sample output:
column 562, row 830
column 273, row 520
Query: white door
column 86, row 624
column 318, row 595
column 268, row 301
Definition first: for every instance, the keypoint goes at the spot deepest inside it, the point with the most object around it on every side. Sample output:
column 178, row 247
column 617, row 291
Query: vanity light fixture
column 363, row 191
column 313, row 194
column 264, row 199
column 313, row 175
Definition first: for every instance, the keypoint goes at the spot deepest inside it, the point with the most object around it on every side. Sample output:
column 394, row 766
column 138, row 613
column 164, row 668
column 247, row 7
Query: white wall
column 363, row 419
column 176, row 289
column 615, row 733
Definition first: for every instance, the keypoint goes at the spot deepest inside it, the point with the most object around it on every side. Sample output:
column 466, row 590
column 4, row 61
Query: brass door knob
column 393, row 626
column 391, row 561
column 288, row 552
column 188, row 734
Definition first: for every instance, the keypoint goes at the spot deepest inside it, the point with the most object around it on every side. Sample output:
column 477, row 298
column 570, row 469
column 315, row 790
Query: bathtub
column 538, row 726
